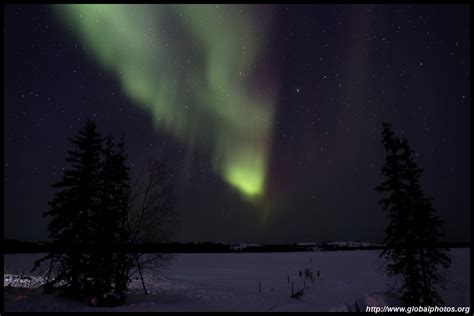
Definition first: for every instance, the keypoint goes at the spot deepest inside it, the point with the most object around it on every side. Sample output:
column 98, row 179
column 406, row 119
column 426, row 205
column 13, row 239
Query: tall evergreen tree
column 124, row 261
column 108, row 262
column 412, row 236
column 111, row 222
column 97, row 220
column 72, row 208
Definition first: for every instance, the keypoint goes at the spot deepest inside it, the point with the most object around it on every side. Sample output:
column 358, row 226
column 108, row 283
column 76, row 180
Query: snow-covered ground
column 230, row 282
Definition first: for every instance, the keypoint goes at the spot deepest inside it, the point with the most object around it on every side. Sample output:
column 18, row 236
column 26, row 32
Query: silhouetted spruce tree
column 412, row 236
column 72, row 208
column 90, row 217
column 98, row 219
column 112, row 222
column 107, row 222
column 125, row 260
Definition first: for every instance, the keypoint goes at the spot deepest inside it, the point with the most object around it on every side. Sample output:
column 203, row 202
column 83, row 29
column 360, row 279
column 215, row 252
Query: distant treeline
column 16, row 246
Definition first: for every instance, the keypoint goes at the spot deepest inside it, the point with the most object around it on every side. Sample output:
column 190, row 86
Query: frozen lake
column 230, row 282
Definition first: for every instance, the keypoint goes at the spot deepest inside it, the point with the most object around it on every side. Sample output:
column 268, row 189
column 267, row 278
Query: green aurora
column 192, row 68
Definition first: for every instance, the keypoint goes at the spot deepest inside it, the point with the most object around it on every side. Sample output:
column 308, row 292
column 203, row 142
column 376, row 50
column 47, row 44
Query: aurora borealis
column 212, row 104
column 269, row 116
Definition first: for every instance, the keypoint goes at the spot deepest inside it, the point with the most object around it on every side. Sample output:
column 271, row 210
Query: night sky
column 269, row 116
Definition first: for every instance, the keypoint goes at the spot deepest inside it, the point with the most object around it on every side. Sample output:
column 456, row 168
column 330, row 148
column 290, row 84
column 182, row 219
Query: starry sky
column 269, row 116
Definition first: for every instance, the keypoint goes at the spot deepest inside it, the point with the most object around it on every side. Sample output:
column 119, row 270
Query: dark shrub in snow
column 107, row 300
